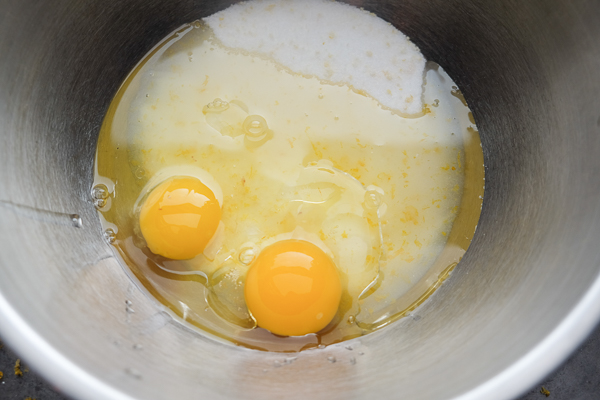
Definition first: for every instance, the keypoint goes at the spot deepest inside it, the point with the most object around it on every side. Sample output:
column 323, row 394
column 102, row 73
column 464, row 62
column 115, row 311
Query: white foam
column 332, row 41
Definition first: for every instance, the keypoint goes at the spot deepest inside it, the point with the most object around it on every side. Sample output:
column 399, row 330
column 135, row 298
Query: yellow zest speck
column 18, row 371
column 362, row 146
column 411, row 214
column 384, row 176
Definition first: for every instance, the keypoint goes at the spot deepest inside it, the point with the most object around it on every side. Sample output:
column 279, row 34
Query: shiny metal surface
column 524, row 296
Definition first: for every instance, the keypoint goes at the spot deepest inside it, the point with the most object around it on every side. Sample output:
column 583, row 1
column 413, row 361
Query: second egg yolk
column 179, row 218
column 293, row 288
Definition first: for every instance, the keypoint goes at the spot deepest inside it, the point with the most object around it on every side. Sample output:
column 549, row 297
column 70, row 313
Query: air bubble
column 435, row 103
column 373, row 197
column 138, row 347
column 99, row 195
column 255, row 127
column 331, row 359
column 197, row 24
column 248, row 253
column 109, row 236
column 100, row 203
column 351, row 319
column 76, row 220
column 321, row 96
column 140, row 173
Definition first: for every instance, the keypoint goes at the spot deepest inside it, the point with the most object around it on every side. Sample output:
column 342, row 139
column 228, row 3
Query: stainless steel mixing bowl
column 525, row 295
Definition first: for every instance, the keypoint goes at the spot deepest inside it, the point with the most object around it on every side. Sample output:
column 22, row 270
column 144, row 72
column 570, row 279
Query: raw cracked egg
column 293, row 288
column 179, row 218
column 281, row 178
column 179, row 212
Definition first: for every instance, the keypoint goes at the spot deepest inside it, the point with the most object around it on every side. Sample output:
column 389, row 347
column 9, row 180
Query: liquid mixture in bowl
column 288, row 174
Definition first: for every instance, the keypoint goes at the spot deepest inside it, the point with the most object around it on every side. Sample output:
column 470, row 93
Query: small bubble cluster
column 216, row 106
column 100, row 195
column 109, row 236
column 285, row 361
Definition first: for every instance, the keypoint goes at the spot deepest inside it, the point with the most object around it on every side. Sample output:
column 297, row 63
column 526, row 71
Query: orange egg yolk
column 179, row 218
column 293, row 288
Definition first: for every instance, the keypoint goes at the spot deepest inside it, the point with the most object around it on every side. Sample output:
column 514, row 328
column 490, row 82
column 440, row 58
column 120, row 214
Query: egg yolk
column 293, row 288
column 179, row 218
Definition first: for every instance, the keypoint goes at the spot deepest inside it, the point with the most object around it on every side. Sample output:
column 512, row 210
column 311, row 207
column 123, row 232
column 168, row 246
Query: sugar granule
column 334, row 42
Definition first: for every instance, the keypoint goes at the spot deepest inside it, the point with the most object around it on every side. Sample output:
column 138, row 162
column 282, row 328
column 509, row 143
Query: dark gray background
column 577, row 379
